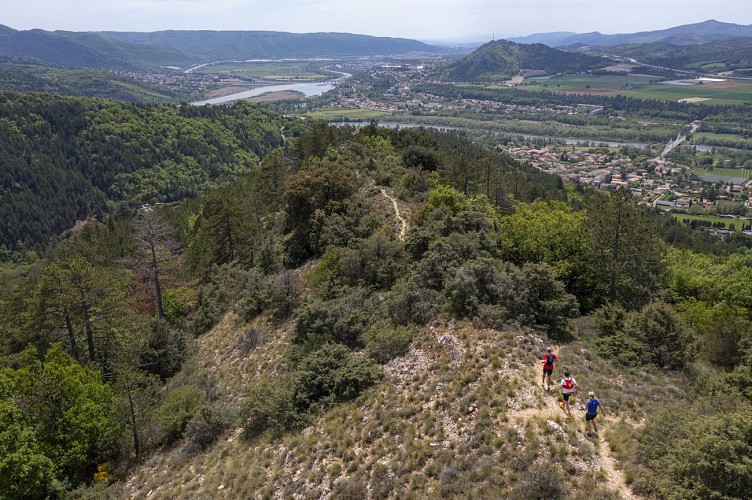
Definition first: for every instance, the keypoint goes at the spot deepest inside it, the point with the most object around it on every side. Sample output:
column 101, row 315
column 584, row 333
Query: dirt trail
column 402, row 221
column 614, row 476
column 603, row 461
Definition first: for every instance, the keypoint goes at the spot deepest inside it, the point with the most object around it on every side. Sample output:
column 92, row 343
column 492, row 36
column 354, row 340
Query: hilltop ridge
column 695, row 33
column 501, row 60
column 129, row 50
column 461, row 413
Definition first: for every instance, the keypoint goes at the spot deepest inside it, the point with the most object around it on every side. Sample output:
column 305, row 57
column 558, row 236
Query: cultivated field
column 345, row 114
column 738, row 223
column 740, row 173
column 266, row 70
column 646, row 87
column 711, row 138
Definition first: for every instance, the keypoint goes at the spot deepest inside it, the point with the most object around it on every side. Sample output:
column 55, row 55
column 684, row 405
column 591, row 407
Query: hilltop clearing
column 460, row 414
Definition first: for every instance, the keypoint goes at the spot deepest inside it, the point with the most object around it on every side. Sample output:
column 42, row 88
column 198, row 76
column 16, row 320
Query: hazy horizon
column 417, row 19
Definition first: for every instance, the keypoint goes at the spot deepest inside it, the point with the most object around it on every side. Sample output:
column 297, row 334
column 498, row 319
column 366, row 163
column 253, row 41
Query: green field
column 641, row 87
column 255, row 69
column 744, row 173
column 711, row 138
column 345, row 114
column 600, row 82
column 738, row 223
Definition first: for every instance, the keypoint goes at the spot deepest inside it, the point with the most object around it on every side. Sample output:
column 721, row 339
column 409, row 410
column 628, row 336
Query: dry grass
column 461, row 417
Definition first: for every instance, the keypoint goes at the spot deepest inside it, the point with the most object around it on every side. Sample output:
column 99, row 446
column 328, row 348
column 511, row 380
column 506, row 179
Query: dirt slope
column 461, row 414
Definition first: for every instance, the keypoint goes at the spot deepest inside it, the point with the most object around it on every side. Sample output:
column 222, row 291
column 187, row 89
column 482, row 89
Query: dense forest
column 66, row 159
column 298, row 241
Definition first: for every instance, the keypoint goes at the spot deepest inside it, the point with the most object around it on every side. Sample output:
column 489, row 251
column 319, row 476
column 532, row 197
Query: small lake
column 308, row 89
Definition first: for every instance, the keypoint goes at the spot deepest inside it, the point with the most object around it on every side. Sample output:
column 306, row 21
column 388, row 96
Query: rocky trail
column 400, row 219
column 603, row 462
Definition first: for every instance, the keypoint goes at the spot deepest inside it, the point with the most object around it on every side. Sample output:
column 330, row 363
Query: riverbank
column 307, row 89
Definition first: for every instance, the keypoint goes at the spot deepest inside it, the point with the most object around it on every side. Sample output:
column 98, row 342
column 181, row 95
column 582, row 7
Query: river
column 565, row 140
column 308, row 89
column 338, row 123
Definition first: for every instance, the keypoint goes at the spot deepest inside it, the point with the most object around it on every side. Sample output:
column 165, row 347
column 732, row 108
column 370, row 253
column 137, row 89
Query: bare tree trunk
column 136, row 442
column 157, row 283
column 71, row 335
column 89, row 332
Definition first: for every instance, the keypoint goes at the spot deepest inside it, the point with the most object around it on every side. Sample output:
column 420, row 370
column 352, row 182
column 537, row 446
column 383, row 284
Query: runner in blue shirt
column 591, row 411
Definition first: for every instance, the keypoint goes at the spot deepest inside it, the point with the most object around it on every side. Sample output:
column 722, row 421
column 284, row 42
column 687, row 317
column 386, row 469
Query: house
column 663, row 204
column 684, row 202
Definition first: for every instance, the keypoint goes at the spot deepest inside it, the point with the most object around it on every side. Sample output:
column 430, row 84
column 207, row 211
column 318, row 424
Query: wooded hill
column 689, row 34
column 23, row 75
column 220, row 45
column 725, row 55
column 64, row 159
column 501, row 60
column 363, row 316
column 126, row 50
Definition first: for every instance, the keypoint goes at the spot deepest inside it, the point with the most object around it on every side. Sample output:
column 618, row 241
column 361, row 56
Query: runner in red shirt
column 548, row 368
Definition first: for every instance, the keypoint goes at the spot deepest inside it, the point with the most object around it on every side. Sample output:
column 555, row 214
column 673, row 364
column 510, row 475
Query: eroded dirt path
column 614, row 478
column 527, row 405
column 401, row 220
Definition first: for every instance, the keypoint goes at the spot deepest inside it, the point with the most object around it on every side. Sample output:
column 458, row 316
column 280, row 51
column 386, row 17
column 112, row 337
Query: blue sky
column 421, row 19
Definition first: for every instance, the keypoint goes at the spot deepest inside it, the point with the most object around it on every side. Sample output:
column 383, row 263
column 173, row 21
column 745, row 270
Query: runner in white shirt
column 568, row 387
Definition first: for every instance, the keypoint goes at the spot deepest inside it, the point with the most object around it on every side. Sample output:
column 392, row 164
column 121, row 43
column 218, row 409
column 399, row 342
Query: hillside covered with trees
column 359, row 313
column 131, row 50
column 724, row 55
column 501, row 60
column 66, row 159
column 23, row 75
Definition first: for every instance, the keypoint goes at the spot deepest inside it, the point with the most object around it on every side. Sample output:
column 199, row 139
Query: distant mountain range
column 130, row 50
column 501, row 60
column 689, row 34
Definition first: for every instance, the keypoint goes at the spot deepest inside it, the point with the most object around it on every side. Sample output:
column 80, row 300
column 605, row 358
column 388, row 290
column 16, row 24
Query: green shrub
column 269, row 405
column 177, row 409
column 373, row 262
column 408, row 302
column 700, row 450
column 542, row 481
column 656, row 335
column 227, row 285
column 491, row 316
column 610, row 319
column 25, row 471
column 332, row 374
column 714, row 460
column 385, row 342
column 341, row 320
column 165, row 351
column 534, row 297
column 668, row 339
column 474, row 284
column 624, row 348
column 282, row 294
column 208, row 423
column 725, row 338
